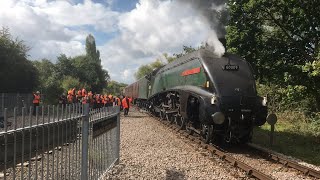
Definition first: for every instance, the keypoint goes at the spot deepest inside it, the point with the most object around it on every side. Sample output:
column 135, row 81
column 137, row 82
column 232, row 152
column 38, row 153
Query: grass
column 292, row 138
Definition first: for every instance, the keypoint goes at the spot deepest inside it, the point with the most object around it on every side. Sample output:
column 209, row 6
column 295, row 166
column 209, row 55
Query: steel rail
column 285, row 161
column 215, row 151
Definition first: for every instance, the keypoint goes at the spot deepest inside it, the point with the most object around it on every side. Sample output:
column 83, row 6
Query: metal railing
column 12, row 100
column 60, row 142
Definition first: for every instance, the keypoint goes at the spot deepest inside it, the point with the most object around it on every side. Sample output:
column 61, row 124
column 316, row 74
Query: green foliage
column 147, row 69
column 142, row 71
column 291, row 141
column 49, row 81
column 281, row 41
column 114, row 88
column 65, row 66
column 294, row 98
column 169, row 58
column 16, row 73
column 84, row 71
column 97, row 77
column 70, row 82
column 186, row 50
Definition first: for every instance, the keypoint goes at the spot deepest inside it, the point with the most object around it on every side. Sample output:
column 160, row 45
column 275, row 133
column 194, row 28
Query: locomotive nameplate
column 230, row 67
column 191, row 71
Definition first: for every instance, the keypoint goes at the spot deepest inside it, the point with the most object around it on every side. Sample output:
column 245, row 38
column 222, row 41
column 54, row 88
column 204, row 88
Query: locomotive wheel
column 168, row 117
column 207, row 133
column 179, row 121
column 162, row 115
column 176, row 120
column 183, row 123
column 188, row 127
column 172, row 119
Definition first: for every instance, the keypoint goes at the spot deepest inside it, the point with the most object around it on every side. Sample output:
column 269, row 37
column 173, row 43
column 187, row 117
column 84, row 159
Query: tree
column 169, row 58
column 142, row 71
column 65, row 66
column 49, row 81
column 280, row 39
column 93, row 57
column 147, row 69
column 70, row 82
column 17, row 74
column 114, row 88
column 186, row 50
column 91, row 50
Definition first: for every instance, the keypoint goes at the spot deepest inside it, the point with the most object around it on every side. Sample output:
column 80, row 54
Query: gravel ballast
column 150, row 150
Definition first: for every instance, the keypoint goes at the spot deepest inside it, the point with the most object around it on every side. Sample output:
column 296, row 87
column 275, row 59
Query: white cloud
column 152, row 28
column 54, row 27
column 143, row 34
column 88, row 13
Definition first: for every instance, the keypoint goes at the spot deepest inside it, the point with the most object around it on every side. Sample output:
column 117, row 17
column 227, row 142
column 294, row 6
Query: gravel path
column 151, row 151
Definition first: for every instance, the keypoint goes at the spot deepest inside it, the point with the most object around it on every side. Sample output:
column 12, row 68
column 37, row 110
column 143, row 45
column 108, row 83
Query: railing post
column 85, row 137
column 2, row 104
column 118, row 134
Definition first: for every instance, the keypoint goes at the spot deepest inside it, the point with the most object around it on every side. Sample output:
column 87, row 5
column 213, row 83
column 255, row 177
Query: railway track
column 226, row 156
column 273, row 156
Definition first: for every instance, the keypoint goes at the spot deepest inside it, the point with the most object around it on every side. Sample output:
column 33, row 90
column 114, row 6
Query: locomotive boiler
column 206, row 94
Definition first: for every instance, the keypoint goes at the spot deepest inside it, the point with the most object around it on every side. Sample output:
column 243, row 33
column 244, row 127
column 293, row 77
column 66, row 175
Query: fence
column 12, row 100
column 60, row 142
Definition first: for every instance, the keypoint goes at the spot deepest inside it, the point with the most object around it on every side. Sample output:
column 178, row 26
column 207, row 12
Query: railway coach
column 213, row 96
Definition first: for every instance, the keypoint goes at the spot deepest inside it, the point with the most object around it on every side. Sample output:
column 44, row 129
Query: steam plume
column 215, row 13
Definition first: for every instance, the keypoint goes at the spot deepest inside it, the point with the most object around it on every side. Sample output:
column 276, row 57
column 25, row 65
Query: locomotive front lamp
column 214, row 99
column 218, row 117
column 264, row 101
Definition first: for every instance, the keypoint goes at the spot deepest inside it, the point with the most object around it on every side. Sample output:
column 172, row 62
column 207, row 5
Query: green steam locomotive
column 213, row 96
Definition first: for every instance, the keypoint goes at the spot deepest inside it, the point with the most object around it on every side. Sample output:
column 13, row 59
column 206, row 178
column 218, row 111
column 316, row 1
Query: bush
column 293, row 105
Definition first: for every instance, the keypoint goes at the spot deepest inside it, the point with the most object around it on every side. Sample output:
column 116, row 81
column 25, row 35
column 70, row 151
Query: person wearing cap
column 36, row 101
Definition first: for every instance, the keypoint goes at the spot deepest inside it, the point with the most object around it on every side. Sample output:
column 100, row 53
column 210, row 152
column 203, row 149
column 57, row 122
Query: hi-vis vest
column 36, row 99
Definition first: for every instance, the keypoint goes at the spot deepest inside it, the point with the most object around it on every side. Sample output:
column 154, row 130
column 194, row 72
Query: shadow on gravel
column 173, row 174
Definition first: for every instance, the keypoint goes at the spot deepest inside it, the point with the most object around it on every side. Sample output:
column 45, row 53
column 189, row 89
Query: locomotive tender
column 200, row 92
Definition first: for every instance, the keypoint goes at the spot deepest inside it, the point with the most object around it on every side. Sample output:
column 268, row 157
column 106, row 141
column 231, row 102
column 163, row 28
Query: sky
column 128, row 33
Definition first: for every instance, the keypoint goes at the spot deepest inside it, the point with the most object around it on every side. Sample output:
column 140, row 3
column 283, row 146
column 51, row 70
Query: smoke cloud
column 215, row 13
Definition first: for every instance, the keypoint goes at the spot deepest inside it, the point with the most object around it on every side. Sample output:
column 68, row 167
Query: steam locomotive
column 202, row 93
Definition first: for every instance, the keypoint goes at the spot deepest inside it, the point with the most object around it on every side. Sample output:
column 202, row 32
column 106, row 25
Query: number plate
column 230, row 67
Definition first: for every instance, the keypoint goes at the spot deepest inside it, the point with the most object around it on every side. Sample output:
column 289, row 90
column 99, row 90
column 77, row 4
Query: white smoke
column 214, row 12
column 213, row 44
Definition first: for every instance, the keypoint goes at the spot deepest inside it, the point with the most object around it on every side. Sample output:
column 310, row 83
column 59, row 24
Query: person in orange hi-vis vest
column 90, row 98
column 105, row 100
column 110, row 100
column 102, row 101
column 69, row 97
column 36, row 101
column 85, row 99
column 79, row 95
column 126, row 105
column 83, row 92
column 73, row 94
column 118, row 101
column 97, row 100
column 110, row 97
